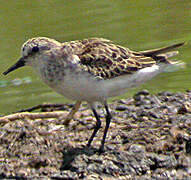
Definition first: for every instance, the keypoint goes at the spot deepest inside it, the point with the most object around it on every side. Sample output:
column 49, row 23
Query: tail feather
column 154, row 52
column 169, row 54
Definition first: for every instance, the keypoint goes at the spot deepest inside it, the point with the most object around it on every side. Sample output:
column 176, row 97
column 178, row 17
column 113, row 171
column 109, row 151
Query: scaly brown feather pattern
column 102, row 58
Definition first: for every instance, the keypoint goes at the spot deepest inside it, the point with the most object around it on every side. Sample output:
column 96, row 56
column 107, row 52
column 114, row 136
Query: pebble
column 188, row 146
column 121, row 108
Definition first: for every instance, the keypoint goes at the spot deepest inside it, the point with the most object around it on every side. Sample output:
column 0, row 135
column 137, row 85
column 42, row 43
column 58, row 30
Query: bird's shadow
column 70, row 154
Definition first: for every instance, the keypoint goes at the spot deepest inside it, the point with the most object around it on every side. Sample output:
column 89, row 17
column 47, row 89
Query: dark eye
column 35, row 49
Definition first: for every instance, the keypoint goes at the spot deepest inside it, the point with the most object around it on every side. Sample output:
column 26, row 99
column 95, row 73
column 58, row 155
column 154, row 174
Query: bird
column 93, row 70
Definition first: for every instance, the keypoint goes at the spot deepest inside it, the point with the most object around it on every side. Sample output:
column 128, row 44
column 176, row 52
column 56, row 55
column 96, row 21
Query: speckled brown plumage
column 106, row 60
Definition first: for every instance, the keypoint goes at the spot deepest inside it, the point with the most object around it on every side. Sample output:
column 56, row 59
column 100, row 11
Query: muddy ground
column 149, row 138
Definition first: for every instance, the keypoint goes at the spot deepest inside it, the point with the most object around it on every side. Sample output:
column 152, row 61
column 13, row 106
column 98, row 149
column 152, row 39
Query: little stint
column 92, row 70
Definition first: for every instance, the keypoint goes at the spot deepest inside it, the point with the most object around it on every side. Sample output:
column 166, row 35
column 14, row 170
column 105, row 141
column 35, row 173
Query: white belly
column 84, row 87
column 81, row 87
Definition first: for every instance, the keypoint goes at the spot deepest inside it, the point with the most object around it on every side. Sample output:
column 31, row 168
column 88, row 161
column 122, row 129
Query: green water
column 139, row 25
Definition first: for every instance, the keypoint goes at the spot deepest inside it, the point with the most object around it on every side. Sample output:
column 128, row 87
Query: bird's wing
column 106, row 60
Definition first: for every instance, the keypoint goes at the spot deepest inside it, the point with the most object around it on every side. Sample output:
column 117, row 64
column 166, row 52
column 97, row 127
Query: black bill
column 18, row 64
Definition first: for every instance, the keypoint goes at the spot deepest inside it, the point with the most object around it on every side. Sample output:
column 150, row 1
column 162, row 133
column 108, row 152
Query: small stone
column 139, row 97
column 165, row 93
column 125, row 141
column 136, row 148
column 188, row 146
column 121, row 108
column 144, row 92
column 185, row 108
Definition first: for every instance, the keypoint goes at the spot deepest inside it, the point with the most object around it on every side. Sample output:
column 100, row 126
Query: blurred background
column 139, row 25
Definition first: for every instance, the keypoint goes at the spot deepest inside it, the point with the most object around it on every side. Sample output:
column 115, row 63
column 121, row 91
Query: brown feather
column 103, row 58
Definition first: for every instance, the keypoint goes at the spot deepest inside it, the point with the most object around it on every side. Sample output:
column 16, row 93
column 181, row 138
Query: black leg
column 96, row 128
column 108, row 120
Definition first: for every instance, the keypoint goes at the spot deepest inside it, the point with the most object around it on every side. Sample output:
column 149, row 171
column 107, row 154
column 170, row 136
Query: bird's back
column 106, row 60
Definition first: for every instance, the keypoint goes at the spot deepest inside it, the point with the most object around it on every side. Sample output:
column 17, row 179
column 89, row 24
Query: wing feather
column 106, row 60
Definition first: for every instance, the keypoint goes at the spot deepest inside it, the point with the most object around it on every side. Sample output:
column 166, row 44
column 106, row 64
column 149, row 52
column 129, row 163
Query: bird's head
column 31, row 50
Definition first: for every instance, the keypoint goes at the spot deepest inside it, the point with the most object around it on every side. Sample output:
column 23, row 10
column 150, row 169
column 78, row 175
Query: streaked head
column 32, row 48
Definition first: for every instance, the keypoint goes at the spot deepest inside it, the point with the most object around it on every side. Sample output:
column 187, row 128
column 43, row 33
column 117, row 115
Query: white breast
column 86, row 88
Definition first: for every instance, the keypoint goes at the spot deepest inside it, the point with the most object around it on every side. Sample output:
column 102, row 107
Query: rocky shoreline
column 149, row 138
